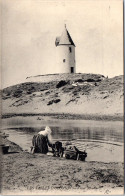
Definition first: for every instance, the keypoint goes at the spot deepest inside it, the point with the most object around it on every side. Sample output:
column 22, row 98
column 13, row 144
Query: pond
column 102, row 140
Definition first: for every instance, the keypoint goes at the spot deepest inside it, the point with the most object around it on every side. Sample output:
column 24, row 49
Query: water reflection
column 74, row 133
column 94, row 140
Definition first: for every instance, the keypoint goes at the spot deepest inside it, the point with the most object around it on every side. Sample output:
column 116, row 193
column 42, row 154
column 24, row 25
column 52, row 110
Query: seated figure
column 41, row 141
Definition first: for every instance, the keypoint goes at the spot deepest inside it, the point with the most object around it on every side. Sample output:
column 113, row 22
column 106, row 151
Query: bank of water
column 103, row 141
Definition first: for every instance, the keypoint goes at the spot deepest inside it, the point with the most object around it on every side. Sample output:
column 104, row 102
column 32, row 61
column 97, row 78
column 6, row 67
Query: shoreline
column 96, row 117
column 32, row 173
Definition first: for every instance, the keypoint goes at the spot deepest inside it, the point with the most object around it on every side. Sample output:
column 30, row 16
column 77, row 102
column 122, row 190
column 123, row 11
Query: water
column 103, row 141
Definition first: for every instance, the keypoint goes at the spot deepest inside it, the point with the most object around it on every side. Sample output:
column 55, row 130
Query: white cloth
column 47, row 132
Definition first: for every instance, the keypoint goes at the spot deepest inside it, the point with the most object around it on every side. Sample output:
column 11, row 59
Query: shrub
column 61, row 83
column 53, row 101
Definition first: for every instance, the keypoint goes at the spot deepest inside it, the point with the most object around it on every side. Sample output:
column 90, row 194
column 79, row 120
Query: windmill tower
column 65, row 53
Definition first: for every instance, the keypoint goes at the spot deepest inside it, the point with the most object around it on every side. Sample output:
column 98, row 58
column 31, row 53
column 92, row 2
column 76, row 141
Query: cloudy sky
column 29, row 29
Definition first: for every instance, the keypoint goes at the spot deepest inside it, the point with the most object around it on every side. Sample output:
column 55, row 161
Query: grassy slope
column 100, row 95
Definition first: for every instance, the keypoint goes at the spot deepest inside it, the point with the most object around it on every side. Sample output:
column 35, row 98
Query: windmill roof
column 64, row 39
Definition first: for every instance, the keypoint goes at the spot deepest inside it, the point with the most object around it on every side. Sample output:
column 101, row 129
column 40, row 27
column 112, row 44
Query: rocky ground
column 87, row 94
column 25, row 173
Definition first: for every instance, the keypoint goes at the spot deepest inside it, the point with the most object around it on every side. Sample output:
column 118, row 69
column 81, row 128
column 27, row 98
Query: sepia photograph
column 62, row 95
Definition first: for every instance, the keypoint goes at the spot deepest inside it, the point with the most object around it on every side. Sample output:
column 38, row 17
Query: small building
column 65, row 53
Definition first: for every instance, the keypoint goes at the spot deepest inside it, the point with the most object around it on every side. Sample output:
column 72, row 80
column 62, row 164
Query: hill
column 89, row 94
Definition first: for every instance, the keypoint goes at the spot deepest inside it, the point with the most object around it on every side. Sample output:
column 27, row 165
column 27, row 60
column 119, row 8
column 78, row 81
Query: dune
column 84, row 94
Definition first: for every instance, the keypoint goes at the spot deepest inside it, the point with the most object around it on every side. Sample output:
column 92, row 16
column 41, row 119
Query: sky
column 29, row 29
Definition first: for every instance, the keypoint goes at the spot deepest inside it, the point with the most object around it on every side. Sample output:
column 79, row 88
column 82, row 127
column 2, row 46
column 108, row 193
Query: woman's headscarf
column 47, row 132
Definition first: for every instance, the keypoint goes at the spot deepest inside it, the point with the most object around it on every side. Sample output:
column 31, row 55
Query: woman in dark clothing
column 41, row 141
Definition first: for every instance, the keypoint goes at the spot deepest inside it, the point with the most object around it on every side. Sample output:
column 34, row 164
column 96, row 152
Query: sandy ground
column 104, row 98
column 25, row 173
